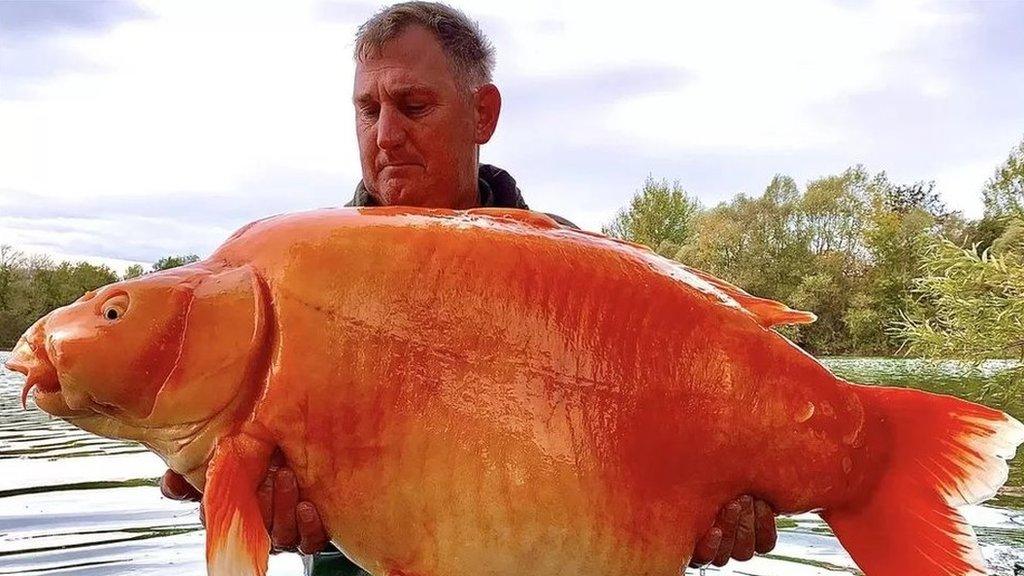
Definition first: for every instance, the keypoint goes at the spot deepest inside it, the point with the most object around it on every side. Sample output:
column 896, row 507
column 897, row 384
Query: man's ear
column 487, row 100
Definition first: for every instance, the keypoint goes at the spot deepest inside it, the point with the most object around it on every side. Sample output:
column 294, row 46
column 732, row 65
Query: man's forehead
column 414, row 59
column 394, row 87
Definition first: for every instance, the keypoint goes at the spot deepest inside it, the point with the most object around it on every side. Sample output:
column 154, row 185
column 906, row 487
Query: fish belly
column 516, row 401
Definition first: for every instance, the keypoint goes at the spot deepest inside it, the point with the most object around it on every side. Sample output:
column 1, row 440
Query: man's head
column 424, row 104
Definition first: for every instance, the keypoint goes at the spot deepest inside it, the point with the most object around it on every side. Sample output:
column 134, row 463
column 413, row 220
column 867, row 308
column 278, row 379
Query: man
column 424, row 105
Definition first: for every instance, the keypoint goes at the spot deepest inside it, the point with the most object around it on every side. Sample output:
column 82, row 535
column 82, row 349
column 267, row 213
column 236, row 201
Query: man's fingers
column 743, row 547
column 707, row 548
column 175, row 487
column 727, row 521
column 311, row 529
column 764, row 527
column 286, row 496
column 265, row 497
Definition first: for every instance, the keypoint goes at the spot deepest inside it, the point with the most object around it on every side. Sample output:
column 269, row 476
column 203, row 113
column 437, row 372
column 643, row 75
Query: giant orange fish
column 484, row 392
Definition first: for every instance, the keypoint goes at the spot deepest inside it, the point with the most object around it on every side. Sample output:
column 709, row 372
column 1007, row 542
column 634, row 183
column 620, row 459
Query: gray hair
column 469, row 52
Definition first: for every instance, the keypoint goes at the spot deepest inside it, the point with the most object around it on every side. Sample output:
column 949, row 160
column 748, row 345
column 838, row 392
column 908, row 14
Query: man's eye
column 415, row 109
column 369, row 111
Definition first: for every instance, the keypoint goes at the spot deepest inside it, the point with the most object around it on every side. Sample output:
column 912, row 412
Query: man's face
column 417, row 130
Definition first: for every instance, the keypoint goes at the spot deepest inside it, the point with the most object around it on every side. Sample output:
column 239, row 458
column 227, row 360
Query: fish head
column 131, row 359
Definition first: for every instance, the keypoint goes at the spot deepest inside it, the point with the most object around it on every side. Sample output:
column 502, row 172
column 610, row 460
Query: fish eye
column 115, row 307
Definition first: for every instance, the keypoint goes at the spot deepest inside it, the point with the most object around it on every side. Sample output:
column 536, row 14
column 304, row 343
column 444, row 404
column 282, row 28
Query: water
column 75, row 504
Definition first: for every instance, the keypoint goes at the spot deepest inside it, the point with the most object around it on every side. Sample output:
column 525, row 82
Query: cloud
column 36, row 39
column 133, row 131
column 263, row 193
column 33, row 18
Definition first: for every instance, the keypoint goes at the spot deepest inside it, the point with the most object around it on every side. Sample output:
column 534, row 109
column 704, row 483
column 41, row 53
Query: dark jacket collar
column 497, row 189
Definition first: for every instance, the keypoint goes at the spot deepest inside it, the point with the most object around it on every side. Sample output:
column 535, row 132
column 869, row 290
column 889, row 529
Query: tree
column 979, row 306
column 903, row 198
column 10, row 262
column 756, row 243
column 1011, row 240
column 30, row 287
column 168, row 262
column 13, row 296
column 133, row 271
column 56, row 286
column 1004, row 193
column 660, row 215
column 902, row 221
column 835, row 210
column 834, row 213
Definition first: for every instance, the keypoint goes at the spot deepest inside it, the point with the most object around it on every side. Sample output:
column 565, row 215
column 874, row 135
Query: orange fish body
column 484, row 392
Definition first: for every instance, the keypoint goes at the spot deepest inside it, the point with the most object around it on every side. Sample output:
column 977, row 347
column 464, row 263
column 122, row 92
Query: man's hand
column 293, row 525
column 175, row 487
column 743, row 526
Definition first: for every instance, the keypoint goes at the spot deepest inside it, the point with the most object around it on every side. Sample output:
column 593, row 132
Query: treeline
column 32, row 286
column 886, row 266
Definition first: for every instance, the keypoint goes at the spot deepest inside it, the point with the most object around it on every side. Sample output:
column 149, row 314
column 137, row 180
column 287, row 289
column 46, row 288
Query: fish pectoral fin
column 237, row 543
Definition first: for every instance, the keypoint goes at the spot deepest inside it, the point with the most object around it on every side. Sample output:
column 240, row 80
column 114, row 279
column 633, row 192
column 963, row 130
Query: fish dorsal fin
column 537, row 219
column 769, row 313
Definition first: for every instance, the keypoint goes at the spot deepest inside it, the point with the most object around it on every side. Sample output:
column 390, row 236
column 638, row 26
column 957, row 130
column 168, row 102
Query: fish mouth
column 30, row 359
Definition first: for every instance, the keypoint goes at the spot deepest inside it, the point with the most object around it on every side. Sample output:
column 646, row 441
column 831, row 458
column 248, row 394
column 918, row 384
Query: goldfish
column 486, row 392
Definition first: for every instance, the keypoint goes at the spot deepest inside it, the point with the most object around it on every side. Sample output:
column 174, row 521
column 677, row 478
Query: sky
column 135, row 130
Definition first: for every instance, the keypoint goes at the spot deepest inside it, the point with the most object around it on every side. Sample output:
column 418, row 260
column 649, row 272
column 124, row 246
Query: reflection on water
column 75, row 504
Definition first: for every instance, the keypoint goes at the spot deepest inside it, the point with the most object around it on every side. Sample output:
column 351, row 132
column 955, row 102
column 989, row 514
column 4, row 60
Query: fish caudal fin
column 942, row 452
column 237, row 543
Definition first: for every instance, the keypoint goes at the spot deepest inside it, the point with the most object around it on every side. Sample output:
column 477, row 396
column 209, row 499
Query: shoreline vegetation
column 887, row 268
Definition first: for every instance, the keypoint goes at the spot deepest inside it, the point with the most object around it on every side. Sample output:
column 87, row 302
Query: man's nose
column 390, row 128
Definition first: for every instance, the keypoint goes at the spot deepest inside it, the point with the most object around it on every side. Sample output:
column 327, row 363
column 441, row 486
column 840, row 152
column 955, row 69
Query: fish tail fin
column 237, row 543
column 941, row 452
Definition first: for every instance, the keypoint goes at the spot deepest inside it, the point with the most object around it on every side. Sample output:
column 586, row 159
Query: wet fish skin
column 485, row 392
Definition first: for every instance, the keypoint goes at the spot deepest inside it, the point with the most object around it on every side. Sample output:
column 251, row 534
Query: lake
column 75, row 504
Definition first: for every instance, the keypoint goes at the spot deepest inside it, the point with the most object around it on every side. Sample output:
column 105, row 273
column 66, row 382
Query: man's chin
column 407, row 197
column 422, row 196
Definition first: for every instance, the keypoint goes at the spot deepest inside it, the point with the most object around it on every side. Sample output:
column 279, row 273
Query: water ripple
column 73, row 504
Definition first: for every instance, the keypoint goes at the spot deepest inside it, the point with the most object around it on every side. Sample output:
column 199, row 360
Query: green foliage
column 827, row 292
column 1004, row 194
column 803, row 248
column 978, row 311
column 834, row 210
column 1012, row 238
column 659, row 216
column 168, row 262
column 14, row 295
column 854, row 248
column 756, row 243
column 901, row 224
column 30, row 287
column 134, row 271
